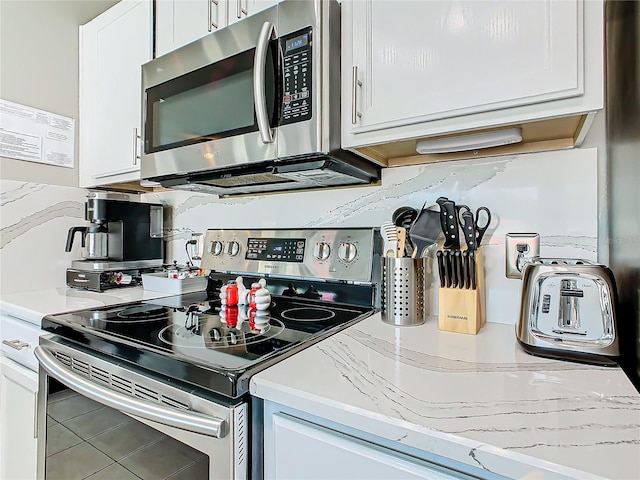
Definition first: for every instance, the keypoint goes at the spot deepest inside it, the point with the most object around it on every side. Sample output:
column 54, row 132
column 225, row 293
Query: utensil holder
column 403, row 291
column 463, row 310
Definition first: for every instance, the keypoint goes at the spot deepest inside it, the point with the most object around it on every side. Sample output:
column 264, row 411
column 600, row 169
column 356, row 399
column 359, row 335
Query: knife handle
column 453, row 269
column 440, row 268
column 448, row 218
column 472, row 269
column 447, row 270
column 469, row 229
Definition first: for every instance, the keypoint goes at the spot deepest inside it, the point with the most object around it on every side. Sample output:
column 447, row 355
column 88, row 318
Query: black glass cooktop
column 195, row 339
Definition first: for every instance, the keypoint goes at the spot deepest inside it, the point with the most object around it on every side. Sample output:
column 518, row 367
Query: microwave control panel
column 296, row 91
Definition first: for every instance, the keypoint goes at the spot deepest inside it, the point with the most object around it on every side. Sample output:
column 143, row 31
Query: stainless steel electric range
column 182, row 364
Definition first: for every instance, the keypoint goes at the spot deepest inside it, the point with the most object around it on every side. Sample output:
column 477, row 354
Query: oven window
column 215, row 101
column 87, row 440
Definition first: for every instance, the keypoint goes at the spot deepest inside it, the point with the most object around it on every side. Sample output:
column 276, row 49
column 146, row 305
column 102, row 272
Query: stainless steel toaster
column 568, row 311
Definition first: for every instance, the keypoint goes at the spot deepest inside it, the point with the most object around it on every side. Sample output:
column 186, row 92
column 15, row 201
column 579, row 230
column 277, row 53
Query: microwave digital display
column 296, row 42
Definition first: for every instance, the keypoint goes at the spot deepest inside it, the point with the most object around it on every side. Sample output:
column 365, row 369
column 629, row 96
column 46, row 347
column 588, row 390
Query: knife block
column 463, row 310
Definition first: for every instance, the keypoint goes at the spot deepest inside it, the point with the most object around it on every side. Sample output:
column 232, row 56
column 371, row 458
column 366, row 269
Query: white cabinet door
column 113, row 47
column 303, row 450
column 179, row 22
column 18, row 402
column 239, row 9
column 408, row 62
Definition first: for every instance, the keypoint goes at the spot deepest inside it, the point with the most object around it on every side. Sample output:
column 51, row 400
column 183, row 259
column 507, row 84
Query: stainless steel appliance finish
column 568, row 311
column 217, row 430
column 183, row 364
column 342, row 254
column 622, row 233
column 252, row 108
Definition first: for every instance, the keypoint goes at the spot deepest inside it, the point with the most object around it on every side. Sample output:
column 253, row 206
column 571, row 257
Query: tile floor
column 86, row 440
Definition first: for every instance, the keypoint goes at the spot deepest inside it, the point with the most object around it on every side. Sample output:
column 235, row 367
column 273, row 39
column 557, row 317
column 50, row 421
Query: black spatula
column 425, row 230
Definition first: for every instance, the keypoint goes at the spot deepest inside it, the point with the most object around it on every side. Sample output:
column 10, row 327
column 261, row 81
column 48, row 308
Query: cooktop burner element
column 193, row 339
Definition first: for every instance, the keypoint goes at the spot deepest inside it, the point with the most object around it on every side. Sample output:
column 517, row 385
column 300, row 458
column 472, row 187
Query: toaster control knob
column 321, row 251
column 232, row 248
column 347, row 252
column 215, row 248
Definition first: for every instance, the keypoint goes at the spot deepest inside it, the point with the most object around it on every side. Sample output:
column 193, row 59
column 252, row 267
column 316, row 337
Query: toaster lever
column 569, row 315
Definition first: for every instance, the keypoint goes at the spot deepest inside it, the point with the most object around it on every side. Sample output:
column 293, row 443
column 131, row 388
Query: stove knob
column 232, row 248
column 321, row 251
column 347, row 252
column 215, row 248
column 214, row 334
column 233, row 338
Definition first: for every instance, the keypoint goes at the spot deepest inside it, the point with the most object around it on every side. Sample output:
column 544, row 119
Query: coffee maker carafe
column 124, row 236
column 95, row 241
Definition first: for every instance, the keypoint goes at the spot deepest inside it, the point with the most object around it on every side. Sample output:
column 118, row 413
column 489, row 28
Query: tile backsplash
column 553, row 193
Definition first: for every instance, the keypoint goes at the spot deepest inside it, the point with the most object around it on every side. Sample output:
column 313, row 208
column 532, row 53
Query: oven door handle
column 267, row 32
column 189, row 421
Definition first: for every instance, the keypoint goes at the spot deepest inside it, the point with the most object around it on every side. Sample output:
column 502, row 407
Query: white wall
column 39, row 68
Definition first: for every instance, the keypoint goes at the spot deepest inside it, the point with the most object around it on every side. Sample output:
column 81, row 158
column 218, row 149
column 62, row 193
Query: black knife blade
column 449, row 223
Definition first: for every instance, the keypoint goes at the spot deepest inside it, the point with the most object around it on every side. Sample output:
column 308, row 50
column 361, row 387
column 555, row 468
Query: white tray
column 159, row 282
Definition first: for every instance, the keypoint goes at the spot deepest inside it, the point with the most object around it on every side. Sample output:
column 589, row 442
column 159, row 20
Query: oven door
column 213, row 103
column 98, row 417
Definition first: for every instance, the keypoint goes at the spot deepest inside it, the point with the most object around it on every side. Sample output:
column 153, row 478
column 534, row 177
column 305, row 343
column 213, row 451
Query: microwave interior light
column 472, row 141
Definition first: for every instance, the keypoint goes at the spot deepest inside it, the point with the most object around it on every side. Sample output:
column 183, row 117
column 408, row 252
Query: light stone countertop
column 478, row 399
column 32, row 306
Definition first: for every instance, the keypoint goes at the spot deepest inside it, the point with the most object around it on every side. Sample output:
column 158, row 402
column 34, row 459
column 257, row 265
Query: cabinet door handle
column 136, row 137
column 17, row 344
column 213, row 24
column 355, row 114
column 239, row 8
column 244, row 10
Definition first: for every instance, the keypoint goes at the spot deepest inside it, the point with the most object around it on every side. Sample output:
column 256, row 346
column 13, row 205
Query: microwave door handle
column 267, row 32
column 184, row 420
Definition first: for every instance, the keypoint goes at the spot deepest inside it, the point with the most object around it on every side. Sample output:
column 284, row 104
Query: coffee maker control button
column 215, row 248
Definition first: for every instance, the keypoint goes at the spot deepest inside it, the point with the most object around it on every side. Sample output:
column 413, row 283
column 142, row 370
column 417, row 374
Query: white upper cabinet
column 239, row 9
column 414, row 69
column 179, row 22
column 113, row 47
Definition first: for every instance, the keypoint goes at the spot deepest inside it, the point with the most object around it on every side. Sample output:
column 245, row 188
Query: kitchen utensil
column 425, row 230
column 568, row 311
column 401, row 236
column 472, row 227
column 389, row 238
column 404, row 217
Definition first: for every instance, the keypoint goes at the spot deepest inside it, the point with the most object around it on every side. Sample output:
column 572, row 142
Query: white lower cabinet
column 298, row 446
column 18, row 435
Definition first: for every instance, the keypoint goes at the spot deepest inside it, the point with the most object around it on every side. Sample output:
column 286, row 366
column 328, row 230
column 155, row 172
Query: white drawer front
column 18, row 339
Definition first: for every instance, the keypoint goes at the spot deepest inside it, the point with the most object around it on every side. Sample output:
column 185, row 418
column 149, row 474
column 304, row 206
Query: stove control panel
column 344, row 254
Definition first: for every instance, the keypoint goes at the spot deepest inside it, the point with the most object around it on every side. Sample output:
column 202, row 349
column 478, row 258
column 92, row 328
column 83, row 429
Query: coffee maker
column 124, row 240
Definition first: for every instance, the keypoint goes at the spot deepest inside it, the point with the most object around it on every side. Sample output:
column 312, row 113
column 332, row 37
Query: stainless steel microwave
column 251, row 108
